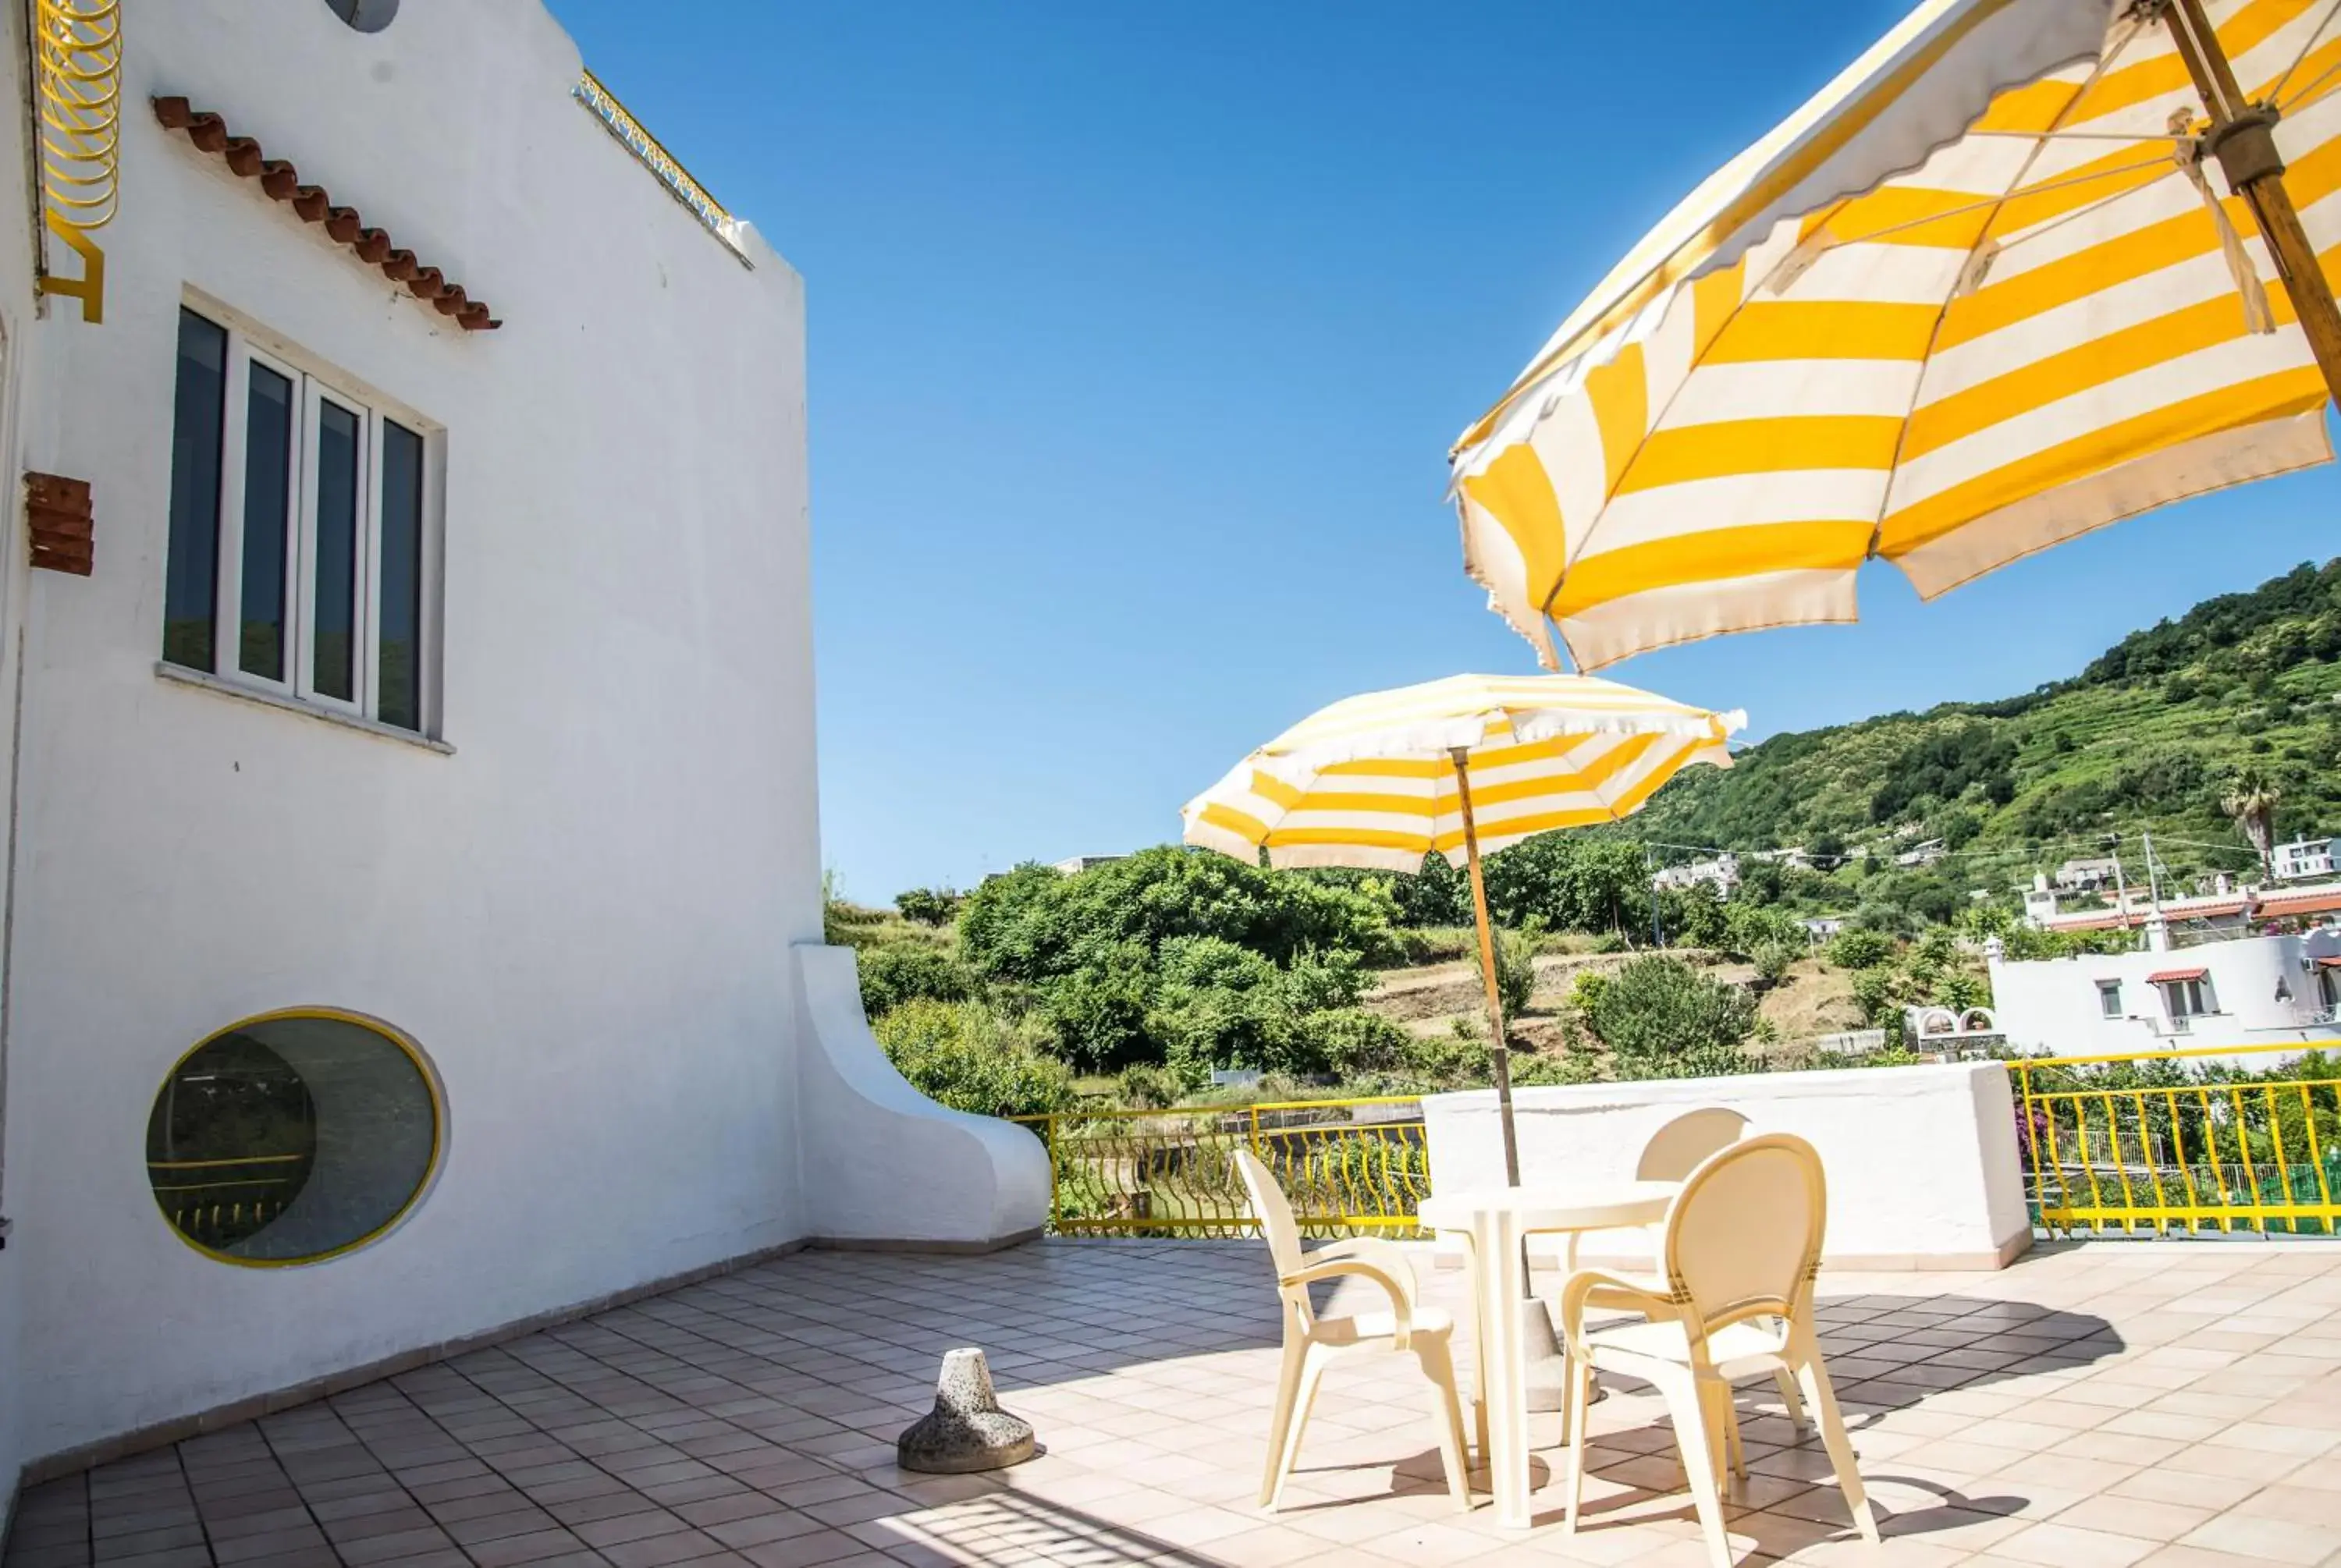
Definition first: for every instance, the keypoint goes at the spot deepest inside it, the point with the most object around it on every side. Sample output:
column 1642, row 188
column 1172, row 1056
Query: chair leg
column 1735, row 1447
column 1478, row 1354
column 1785, row 1381
column 1832, row 1426
column 1280, row 1421
column 1688, row 1403
column 1447, row 1413
column 1578, row 1381
column 1312, row 1373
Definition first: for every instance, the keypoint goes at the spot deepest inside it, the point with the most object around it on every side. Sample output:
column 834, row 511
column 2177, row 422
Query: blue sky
column 1139, row 334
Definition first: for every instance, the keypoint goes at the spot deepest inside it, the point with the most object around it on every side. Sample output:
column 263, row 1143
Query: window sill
column 183, row 676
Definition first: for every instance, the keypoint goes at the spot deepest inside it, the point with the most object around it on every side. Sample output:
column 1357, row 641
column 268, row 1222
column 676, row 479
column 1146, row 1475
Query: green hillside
column 2150, row 738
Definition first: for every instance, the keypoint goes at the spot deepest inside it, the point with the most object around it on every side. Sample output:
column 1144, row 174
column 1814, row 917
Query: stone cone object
column 967, row 1430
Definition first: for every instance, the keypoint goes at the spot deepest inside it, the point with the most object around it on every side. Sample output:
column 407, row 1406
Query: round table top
column 1591, row 1206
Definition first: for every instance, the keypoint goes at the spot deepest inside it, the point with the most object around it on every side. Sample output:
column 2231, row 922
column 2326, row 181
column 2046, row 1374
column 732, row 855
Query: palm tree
column 2251, row 800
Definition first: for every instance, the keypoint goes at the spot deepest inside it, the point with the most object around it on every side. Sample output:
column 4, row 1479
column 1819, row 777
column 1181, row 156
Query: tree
column 1572, row 881
column 928, row 906
column 2250, row 800
column 1662, row 1019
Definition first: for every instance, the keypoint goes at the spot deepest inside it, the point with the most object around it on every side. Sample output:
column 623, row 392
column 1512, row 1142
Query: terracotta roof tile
column 344, row 226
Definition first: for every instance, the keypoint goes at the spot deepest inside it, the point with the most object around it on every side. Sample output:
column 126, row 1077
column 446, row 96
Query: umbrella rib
column 2315, row 82
column 2308, row 47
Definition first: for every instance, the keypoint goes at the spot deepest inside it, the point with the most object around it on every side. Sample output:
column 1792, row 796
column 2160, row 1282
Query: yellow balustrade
column 77, row 79
column 1348, row 1167
column 2186, row 1152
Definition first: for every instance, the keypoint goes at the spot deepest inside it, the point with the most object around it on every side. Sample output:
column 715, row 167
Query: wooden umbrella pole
column 2241, row 138
column 1499, row 1050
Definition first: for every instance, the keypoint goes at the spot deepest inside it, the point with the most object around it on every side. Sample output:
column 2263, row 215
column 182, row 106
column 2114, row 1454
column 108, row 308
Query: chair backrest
column 1676, row 1149
column 1744, row 1235
column 1274, row 1214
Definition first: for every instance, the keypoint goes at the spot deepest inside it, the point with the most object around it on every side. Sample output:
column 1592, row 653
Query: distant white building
column 1721, row 873
column 2086, row 876
column 2254, row 992
column 1925, row 853
column 1822, row 928
column 1073, row 866
column 2305, row 858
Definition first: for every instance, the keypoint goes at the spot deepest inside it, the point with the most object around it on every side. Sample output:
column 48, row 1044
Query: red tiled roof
column 2164, row 976
column 282, row 181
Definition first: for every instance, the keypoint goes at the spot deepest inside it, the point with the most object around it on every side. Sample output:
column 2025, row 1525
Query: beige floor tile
column 2269, row 1540
column 2055, row 1545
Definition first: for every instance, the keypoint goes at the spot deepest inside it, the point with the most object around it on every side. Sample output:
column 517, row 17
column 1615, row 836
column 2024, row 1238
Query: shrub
column 1856, row 949
column 1145, row 1087
column 1662, row 1019
column 902, row 972
column 966, row 1055
column 1515, row 971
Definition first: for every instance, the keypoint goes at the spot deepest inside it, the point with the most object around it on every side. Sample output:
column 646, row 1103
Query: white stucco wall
column 1921, row 1161
column 882, row 1162
column 2050, row 1006
column 585, row 916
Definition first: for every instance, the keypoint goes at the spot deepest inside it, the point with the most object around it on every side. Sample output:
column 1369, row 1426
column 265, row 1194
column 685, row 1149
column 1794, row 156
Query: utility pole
column 2153, row 882
column 1658, row 932
column 2112, row 845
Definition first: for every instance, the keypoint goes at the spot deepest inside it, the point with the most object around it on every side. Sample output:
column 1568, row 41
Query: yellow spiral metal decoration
column 77, row 71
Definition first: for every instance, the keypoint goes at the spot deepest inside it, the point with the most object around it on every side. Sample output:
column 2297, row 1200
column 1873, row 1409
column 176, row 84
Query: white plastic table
column 1496, row 1220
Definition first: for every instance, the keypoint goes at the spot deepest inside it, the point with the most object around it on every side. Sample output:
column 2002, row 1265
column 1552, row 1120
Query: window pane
column 267, row 508
column 191, row 580
column 400, row 702
column 290, row 1138
column 334, row 640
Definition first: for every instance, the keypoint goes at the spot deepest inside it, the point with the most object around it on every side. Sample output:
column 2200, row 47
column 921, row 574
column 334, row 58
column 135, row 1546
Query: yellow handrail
column 77, row 72
column 1112, row 1173
column 2202, row 1155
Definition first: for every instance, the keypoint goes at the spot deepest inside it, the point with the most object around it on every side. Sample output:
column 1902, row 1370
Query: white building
column 1074, row 865
column 413, row 878
column 2254, row 992
column 1721, row 873
column 2087, row 876
column 2303, row 857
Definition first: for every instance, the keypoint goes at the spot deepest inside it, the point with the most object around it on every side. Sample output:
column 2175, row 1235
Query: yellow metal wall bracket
column 90, row 287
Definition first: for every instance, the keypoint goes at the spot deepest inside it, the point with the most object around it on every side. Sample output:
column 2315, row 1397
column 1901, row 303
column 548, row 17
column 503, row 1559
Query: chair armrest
column 1401, row 1296
column 1644, row 1295
column 1381, row 1251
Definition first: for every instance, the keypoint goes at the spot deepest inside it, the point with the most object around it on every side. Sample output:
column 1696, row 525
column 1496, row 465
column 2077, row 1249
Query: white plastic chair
column 1741, row 1249
column 1312, row 1343
column 1675, row 1151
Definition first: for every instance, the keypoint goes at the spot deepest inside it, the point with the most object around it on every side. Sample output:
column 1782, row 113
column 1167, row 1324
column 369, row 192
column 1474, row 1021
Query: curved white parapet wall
column 1922, row 1161
column 882, row 1163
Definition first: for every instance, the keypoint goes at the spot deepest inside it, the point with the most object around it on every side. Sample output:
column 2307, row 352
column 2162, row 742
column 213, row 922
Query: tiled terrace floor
column 2092, row 1407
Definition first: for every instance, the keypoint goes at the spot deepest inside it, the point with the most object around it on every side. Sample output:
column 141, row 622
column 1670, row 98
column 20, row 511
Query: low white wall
column 1921, row 1161
column 882, row 1163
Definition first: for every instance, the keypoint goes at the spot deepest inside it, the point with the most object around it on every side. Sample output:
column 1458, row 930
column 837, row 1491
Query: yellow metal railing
column 77, row 77
column 636, row 138
column 2180, row 1141
column 1349, row 1168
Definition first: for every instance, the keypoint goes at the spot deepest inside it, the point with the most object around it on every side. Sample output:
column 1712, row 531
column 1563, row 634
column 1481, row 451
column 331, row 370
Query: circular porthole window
column 366, row 15
column 292, row 1137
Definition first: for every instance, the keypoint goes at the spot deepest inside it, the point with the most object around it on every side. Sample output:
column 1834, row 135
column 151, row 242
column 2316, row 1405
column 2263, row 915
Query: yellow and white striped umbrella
column 1989, row 289
column 1371, row 781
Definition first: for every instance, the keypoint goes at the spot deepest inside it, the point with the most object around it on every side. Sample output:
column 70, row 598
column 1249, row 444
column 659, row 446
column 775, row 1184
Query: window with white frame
column 2110, row 1000
column 300, row 538
column 2188, row 997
